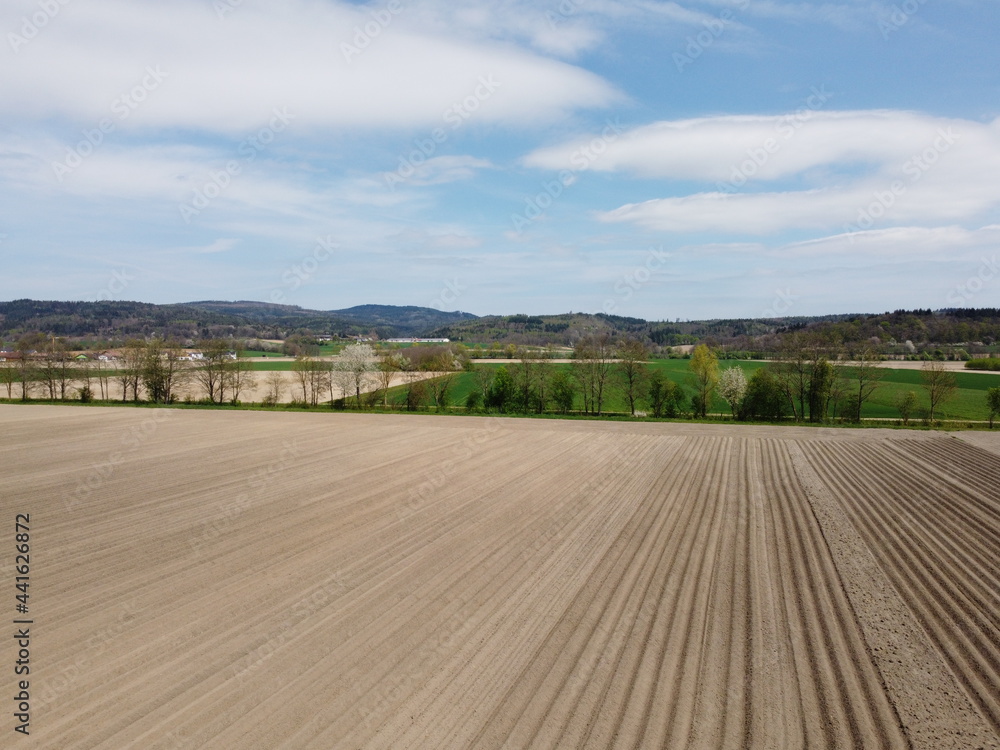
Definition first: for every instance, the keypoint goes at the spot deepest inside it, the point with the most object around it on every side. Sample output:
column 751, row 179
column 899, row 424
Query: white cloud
column 442, row 169
column 227, row 75
column 901, row 243
column 222, row 245
column 558, row 27
column 822, row 169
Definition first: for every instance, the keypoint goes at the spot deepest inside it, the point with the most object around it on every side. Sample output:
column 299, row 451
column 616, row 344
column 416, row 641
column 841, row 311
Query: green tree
column 993, row 403
column 665, row 396
column 562, row 390
column 8, row 376
column 905, row 403
column 821, row 381
column 473, row 400
column 765, row 398
column 161, row 370
column 501, row 394
column 793, row 371
column 630, row 371
column 705, row 366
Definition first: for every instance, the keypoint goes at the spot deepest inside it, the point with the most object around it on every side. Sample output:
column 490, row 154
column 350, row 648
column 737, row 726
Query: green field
column 968, row 403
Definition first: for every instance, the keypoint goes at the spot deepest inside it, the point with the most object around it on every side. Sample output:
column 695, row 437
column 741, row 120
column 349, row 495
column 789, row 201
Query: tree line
column 152, row 371
column 809, row 382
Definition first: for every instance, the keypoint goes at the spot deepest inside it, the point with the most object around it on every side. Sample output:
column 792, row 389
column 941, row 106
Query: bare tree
column 27, row 369
column 939, row 384
column 130, row 368
column 238, row 375
column 866, row 375
column 275, row 388
column 300, row 369
column 313, row 378
column 103, row 379
column 50, row 366
column 210, row 370
column 389, row 363
column 593, row 360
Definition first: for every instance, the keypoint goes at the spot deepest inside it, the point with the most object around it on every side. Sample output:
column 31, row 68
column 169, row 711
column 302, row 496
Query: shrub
column 764, row 398
column 983, row 363
column 473, row 401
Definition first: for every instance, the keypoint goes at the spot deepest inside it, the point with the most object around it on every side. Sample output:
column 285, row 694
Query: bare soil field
column 291, row 390
column 326, row 580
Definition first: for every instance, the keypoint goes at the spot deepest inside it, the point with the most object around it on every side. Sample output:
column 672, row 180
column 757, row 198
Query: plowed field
column 263, row 580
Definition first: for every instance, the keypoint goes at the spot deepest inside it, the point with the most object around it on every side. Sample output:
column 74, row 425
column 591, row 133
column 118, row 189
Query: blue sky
column 689, row 159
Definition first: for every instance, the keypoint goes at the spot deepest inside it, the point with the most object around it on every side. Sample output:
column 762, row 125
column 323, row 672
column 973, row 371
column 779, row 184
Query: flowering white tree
column 356, row 364
column 733, row 387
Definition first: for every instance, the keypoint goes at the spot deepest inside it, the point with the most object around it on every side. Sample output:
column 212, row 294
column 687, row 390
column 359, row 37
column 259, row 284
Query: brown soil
column 269, row 580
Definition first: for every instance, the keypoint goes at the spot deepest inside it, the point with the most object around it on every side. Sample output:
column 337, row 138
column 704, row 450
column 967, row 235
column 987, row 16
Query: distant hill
column 925, row 329
column 211, row 318
column 566, row 328
column 418, row 320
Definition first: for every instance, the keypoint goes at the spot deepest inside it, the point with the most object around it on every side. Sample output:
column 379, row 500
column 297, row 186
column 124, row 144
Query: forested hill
column 211, row 319
column 923, row 328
